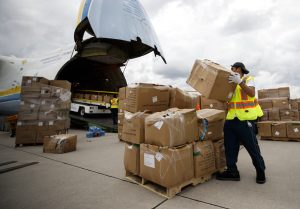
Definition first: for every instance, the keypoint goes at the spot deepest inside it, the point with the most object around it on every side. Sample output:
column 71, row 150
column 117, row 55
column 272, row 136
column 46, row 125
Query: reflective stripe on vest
column 243, row 106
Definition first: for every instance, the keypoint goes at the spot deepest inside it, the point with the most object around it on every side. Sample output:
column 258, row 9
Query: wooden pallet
column 164, row 191
column 133, row 177
column 280, row 139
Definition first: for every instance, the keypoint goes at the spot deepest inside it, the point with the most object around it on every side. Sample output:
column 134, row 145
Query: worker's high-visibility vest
column 243, row 106
column 114, row 103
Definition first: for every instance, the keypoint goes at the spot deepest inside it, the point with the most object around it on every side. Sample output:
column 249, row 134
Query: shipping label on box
column 211, row 80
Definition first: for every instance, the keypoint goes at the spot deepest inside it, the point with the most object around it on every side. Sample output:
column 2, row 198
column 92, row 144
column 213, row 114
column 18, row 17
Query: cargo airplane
column 119, row 30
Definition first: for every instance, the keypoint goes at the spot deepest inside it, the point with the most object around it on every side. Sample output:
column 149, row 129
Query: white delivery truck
column 86, row 102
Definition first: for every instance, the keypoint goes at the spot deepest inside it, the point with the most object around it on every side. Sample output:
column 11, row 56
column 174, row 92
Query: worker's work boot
column 229, row 175
column 260, row 177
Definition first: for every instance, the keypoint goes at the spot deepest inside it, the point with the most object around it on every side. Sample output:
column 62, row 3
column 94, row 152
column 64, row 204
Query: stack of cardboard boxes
column 44, row 109
column 281, row 115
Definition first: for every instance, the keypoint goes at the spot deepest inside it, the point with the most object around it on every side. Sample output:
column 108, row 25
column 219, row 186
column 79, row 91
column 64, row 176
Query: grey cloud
column 245, row 21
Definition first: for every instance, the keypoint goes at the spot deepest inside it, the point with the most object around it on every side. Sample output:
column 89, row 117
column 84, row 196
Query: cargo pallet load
column 163, row 151
column 281, row 115
column 44, row 110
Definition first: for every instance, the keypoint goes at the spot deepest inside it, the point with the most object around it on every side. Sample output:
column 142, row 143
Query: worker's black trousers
column 114, row 114
column 238, row 132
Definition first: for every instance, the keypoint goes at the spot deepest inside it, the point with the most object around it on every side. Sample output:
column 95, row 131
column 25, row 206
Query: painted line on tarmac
column 162, row 202
column 219, row 206
column 7, row 163
column 5, row 170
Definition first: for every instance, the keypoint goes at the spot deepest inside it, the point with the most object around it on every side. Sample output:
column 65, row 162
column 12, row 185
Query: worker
column 114, row 105
column 240, row 126
column 12, row 120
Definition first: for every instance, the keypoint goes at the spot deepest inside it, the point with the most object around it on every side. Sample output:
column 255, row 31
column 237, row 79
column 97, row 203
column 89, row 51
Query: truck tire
column 81, row 111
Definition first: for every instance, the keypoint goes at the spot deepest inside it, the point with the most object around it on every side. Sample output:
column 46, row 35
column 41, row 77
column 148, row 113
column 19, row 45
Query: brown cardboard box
column 48, row 115
column 32, row 81
column 29, row 105
column 295, row 116
column 167, row 167
column 60, row 143
column 87, row 96
column 212, row 104
column 182, row 99
column 265, row 103
column 94, row 97
column 293, row 129
column 172, row 127
column 204, row 158
column 265, row 128
column 286, row 114
column 100, row 98
column 272, row 93
column 294, row 104
column 25, row 134
column 211, row 80
column 120, row 118
column 122, row 105
column 265, row 117
column 280, row 103
column 44, row 129
column 107, row 98
column 120, row 128
column 132, row 158
column 141, row 97
column 122, row 93
column 219, row 151
column 274, row 115
column 210, row 123
column 134, row 127
column 32, row 116
column 279, row 129
column 46, row 91
column 61, row 84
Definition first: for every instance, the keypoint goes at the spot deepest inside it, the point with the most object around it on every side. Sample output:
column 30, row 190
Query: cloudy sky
column 265, row 35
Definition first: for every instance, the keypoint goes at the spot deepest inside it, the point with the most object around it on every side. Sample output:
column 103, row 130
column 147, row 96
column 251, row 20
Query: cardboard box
column 272, row 93
column 60, row 143
column 294, row 104
column 32, row 116
column 182, row 99
column 100, row 98
column 141, row 97
column 167, row 167
column 274, row 115
column 280, row 103
column 219, row 151
column 212, row 104
column 173, row 127
column 204, row 158
column 61, row 84
column 211, row 123
column 44, row 129
column 120, row 128
column 122, row 93
column 265, row 128
column 211, row 80
column 120, row 118
column 32, row 81
column 25, row 134
column 279, row 129
column 134, row 127
column 132, row 158
column 107, row 98
column 265, row 103
column 286, row 114
column 29, row 105
column 293, row 129
column 265, row 117
column 94, row 97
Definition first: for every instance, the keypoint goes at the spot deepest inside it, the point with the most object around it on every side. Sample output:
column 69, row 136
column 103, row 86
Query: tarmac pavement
column 93, row 177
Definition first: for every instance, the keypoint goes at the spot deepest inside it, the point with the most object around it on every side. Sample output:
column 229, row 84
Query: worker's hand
column 235, row 78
